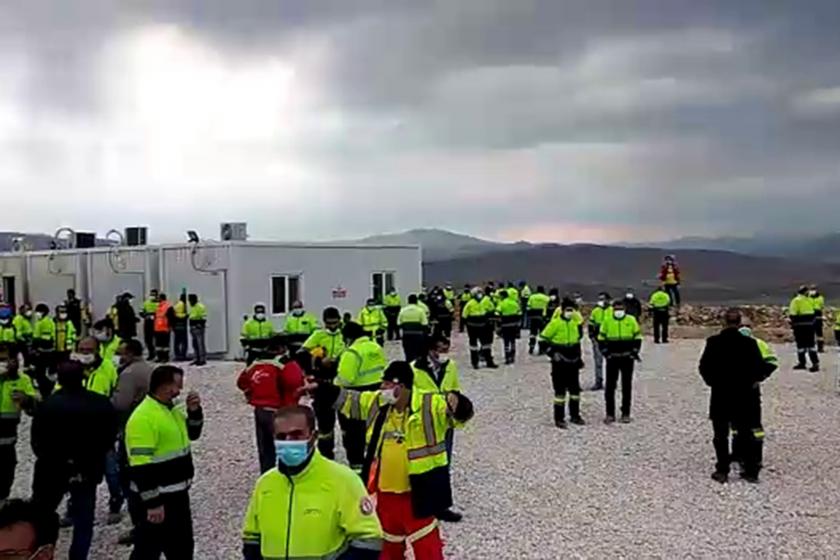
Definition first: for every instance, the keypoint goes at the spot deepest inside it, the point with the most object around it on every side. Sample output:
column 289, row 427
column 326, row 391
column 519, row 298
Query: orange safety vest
column 161, row 320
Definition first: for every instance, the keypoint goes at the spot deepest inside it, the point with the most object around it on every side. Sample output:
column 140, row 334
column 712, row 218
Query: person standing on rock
column 621, row 340
column 802, row 315
column 733, row 366
column 669, row 275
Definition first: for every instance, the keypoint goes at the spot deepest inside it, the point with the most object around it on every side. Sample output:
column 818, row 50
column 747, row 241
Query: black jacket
column 74, row 429
column 127, row 320
column 633, row 307
column 733, row 367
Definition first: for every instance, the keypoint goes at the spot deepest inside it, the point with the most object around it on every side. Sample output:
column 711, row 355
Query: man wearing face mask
column 406, row 464
column 553, row 304
column 307, row 506
column 16, row 395
column 621, row 340
column 632, row 305
column 22, row 323
column 603, row 308
column 319, row 356
column 161, row 468
column 43, row 346
column 8, row 336
column 360, row 369
column 373, row 321
column 269, row 384
column 100, row 376
column 65, row 335
column 437, row 373
column 132, row 387
column 256, row 331
column 299, row 326
column 478, row 315
column 103, row 332
column 72, row 431
column 563, row 336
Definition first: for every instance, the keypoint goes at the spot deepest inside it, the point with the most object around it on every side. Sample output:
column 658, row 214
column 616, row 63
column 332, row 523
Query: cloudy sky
column 561, row 120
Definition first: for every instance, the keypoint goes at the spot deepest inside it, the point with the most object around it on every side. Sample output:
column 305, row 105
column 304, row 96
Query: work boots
column 574, row 410
column 815, row 361
column 488, row 358
column 474, row 358
column 560, row 415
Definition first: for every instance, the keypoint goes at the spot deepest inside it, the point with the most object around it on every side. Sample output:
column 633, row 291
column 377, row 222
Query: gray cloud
column 483, row 115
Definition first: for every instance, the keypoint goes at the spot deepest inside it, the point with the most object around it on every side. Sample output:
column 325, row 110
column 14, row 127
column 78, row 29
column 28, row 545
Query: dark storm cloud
column 710, row 116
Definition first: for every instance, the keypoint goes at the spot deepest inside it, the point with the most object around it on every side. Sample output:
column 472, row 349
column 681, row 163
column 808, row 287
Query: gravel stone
column 529, row 490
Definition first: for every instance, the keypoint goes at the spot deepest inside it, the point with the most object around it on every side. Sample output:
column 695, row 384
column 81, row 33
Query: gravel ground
column 530, row 490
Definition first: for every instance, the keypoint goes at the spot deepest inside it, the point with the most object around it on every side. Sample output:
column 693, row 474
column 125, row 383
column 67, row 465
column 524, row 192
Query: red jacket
column 271, row 383
column 663, row 272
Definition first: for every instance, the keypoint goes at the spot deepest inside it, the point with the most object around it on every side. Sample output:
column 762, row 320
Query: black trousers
column 8, row 462
column 661, row 319
column 481, row 344
column 162, row 340
column 444, row 327
column 535, row 324
column 149, row 336
column 806, row 344
column 414, row 345
column 509, row 336
column 325, row 414
column 674, row 291
column 391, row 313
column 565, row 380
column 136, row 511
column 181, row 342
column 747, row 444
column 264, row 424
column 44, row 362
column 818, row 332
column 353, row 433
column 173, row 538
column 619, row 367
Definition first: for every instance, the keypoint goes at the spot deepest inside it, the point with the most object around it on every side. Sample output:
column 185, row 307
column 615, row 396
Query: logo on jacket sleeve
column 366, row 506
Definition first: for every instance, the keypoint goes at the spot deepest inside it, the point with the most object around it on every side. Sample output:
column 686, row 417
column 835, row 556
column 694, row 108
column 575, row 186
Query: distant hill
column 819, row 247
column 439, row 244
column 709, row 276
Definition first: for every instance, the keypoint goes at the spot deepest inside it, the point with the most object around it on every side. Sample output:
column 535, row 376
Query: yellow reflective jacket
column 303, row 324
column 361, row 364
column 317, row 513
column 425, row 380
column 660, row 300
column 331, row 342
column 372, row 320
column 257, row 330
column 157, row 440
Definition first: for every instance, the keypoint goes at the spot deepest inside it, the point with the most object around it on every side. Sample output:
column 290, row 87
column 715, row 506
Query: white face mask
column 553, row 298
column 117, row 361
column 259, row 316
column 4, row 368
column 27, row 314
column 388, row 396
column 629, row 295
column 813, row 293
column 297, row 312
column 568, row 314
column 84, row 359
column 602, row 303
column 39, row 316
column 619, row 314
column 101, row 337
column 442, row 357
column 4, row 322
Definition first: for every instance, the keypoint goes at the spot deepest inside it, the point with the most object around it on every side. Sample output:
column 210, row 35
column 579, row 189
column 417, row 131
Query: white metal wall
column 322, row 270
column 14, row 266
column 111, row 273
column 50, row 275
column 204, row 274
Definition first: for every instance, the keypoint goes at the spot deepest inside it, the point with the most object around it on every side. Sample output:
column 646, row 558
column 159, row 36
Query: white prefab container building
column 13, row 278
column 231, row 277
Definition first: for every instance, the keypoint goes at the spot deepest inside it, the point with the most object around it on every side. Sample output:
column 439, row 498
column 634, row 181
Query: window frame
column 288, row 300
column 384, row 274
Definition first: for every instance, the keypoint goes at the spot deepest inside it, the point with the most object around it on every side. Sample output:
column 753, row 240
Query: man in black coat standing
column 732, row 365
column 72, row 431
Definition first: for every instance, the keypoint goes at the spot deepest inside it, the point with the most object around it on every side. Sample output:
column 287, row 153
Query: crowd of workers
column 112, row 415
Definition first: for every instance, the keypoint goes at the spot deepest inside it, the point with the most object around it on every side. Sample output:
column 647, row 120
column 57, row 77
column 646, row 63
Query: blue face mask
column 291, row 453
